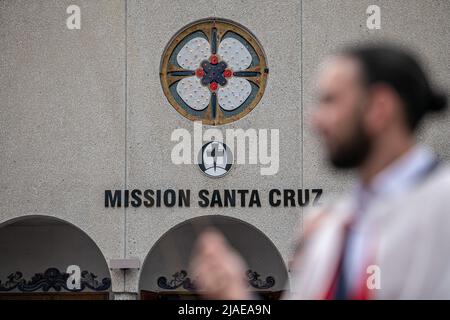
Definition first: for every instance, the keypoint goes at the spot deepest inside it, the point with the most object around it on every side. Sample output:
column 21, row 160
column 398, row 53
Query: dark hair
column 399, row 69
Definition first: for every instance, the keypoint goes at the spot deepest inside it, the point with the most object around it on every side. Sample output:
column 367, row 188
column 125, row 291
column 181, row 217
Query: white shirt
column 394, row 180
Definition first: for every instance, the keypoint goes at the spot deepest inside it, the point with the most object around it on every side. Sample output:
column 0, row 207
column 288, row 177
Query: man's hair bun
column 438, row 102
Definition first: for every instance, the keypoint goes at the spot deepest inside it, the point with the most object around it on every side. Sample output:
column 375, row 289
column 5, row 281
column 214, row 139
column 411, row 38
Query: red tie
column 333, row 287
column 338, row 289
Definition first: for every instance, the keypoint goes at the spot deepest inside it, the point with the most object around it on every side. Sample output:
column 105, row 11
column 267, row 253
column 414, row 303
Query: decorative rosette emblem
column 214, row 71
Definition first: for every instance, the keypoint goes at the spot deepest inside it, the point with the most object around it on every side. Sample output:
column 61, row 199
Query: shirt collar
column 398, row 176
column 404, row 172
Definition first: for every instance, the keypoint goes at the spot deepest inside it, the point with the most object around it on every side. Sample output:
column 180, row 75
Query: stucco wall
column 82, row 111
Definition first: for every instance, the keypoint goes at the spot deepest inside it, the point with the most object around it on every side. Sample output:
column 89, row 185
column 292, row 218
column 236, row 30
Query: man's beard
column 354, row 151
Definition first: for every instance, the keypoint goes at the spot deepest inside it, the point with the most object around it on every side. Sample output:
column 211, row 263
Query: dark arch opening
column 165, row 273
column 36, row 253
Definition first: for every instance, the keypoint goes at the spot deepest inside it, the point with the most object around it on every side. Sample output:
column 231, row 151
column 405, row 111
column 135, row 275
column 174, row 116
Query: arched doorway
column 165, row 275
column 45, row 258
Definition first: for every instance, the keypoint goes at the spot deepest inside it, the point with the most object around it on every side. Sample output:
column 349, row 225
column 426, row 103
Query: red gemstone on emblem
column 213, row 59
column 199, row 73
column 213, row 86
column 227, row 73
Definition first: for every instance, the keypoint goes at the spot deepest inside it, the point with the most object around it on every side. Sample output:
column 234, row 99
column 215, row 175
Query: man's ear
column 382, row 108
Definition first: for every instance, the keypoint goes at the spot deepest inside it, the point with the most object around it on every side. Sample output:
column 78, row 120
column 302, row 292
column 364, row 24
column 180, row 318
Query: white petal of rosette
column 193, row 53
column 238, row 58
column 235, row 54
column 193, row 93
column 234, row 94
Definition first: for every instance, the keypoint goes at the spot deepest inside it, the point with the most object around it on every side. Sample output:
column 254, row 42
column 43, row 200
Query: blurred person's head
column 371, row 99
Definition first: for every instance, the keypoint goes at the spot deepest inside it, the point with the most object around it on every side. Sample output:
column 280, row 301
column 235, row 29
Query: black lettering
column 158, row 198
column 289, row 195
column 318, row 193
column 184, row 198
column 254, row 198
column 148, row 195
column 126, row 198
column 111, row 200
column 242, row 193
column 303, row 201
column 215, row 199
column 136, row 196
column 271, row 198
column 203, row 195
column 230, row 198
column 173, row 199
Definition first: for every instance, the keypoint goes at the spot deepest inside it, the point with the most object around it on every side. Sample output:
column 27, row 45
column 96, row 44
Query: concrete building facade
column 83, row 111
